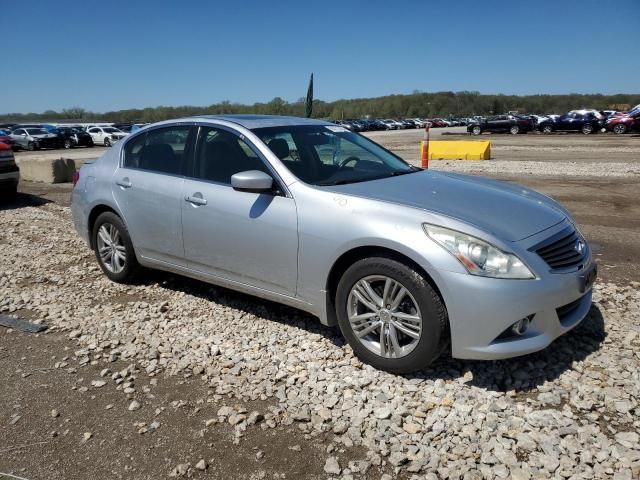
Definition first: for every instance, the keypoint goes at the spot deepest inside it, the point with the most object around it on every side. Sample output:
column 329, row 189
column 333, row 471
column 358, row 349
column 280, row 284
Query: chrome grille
column 561, row 253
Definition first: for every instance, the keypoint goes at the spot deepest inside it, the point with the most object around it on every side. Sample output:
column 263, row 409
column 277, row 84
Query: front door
column 148, row 190
column 250, row 238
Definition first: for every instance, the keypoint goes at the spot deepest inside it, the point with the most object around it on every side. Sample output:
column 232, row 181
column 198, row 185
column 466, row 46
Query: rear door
column 148, row 190
column 245, row 237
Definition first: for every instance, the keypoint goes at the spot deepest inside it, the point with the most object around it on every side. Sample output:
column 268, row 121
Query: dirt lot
column 200, row 360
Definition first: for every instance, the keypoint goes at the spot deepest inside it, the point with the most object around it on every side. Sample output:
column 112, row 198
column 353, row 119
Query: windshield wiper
column 344, row 181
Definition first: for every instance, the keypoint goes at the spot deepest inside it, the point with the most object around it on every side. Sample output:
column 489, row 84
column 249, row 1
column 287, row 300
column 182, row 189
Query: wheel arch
column 94, row 214
column 348, row 258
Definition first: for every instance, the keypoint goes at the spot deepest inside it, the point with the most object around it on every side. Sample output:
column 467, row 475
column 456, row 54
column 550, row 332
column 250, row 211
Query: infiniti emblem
column 579, row 247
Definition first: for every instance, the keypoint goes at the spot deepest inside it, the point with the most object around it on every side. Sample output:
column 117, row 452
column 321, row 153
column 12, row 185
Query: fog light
column 521, row 326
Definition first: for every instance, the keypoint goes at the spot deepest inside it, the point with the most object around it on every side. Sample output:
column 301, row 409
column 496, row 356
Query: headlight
column 477, row 256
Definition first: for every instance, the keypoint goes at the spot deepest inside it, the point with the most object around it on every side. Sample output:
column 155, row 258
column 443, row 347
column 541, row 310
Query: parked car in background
column 31, row 138
column 513, row 124
column 624, row 123
column 389, row 124
column 9, row 172
column 434, row 273
column 74, row 137
column 574, row 121
column 106, row 136
column 5, row 137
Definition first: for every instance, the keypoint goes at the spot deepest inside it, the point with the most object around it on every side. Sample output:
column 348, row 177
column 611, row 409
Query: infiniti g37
column 409, row 263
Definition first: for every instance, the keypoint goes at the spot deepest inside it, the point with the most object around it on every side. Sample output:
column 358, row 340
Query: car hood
column 510, row 212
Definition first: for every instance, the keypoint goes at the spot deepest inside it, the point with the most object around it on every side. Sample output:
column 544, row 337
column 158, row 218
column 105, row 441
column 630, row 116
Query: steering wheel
column 348, row 160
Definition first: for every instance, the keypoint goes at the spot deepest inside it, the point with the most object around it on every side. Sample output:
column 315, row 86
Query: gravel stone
column 332, row 467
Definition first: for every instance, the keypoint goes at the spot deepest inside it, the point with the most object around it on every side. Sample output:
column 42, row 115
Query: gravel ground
column 570, row 411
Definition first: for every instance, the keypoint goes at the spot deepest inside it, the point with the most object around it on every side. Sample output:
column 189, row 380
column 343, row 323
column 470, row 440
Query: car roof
column 261, row 121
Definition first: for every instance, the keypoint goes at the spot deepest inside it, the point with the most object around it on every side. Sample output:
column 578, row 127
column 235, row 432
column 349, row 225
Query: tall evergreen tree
column 308, row 103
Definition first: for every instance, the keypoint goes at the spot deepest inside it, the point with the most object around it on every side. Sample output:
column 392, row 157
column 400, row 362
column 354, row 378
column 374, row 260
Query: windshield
column 36, row 131
column 331, row 155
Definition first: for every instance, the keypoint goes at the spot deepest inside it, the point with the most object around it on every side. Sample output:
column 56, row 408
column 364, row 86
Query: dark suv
column 572, row 122
column 501, row 124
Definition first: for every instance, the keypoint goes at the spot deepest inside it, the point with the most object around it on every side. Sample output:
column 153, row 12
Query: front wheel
column 547, row 129
column 390, row 315
column 587, row 129
column 113, row 248
column 107, row 142
column 476, row 130
column 31, row 146
column 67, row 144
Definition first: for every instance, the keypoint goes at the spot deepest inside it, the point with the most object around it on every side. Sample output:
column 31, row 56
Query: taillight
column 75, row 177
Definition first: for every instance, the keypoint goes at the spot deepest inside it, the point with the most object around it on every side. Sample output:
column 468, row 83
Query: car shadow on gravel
column 22, row 200
column 272, row 311
column 524, row 373
column 528, row 372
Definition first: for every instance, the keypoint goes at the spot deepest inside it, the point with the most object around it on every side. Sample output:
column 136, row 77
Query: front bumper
column 482, row 309
column 491, row 306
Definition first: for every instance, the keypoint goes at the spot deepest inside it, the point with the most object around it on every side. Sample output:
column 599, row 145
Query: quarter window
column 221, row 154
column 161, row 150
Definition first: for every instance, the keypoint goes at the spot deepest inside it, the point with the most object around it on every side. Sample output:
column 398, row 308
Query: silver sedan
column 408, row 263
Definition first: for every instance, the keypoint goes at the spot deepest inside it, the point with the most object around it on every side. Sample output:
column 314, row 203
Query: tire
column 31, row 146
column 476, row 130
column 620, row 129
column 120, row 270
column 67, row 144
column 514, row 130
column 547, row 129
column 107, row 142
column 587, row 129
column 408, row 353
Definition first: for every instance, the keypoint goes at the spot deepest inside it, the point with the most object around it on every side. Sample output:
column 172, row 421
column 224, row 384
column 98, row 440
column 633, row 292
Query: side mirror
column 252, row 181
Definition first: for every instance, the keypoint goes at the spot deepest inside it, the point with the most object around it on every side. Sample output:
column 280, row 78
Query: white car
column 106, row 136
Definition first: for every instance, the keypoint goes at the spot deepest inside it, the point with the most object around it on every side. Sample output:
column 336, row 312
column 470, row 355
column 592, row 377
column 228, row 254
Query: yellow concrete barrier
column 459, row 150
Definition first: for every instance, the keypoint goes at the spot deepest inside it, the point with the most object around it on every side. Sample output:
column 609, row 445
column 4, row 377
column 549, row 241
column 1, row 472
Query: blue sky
column 115, row 54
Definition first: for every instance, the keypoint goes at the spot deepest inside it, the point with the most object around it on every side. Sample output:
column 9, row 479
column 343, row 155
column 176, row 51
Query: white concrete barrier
column 47, row 170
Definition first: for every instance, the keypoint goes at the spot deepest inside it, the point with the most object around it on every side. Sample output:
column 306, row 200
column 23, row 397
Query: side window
column 221, row 154
column 161, row 150
column 93, row 130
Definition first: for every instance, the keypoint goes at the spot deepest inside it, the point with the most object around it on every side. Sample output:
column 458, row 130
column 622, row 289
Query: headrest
column 280, row 147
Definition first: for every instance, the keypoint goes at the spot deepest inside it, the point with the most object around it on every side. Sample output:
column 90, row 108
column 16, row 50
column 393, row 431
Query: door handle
column 124, row 183
column 195, row 200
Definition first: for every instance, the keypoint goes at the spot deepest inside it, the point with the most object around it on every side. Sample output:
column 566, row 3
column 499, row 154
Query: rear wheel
column 620, row 129
column 113, row 248
column 67, row 143
column 476, row 130
column 547, row 129
column 587, row 129
column 390, row 315
column 515, row 129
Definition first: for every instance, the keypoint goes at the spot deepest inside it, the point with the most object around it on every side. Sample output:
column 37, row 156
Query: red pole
column 424, row 157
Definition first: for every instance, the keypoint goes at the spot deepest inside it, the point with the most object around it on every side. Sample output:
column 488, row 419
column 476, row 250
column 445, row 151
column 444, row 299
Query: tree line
column 416, row 104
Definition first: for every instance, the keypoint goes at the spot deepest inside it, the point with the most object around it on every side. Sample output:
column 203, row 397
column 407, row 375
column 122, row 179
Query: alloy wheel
column 111, row 248
column 384, row 316
column 620, row 128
